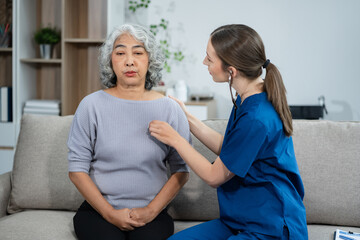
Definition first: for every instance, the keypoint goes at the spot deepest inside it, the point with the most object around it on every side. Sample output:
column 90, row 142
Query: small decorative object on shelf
column 47, row 37
column 5, row 35
column 181, row 90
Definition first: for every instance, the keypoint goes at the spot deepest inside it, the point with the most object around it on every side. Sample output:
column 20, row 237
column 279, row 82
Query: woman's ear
column 232, row 71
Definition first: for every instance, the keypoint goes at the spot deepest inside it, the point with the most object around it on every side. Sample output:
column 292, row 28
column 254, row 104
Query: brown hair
column 240, row 46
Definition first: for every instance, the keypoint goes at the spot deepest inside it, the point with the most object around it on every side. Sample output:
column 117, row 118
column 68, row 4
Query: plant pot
column 46, row 51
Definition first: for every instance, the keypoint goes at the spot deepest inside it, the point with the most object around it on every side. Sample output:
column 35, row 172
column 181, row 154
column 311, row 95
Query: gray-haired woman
column 113, row 161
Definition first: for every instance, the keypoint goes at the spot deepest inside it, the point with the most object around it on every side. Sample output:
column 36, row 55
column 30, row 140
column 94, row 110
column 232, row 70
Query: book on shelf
column 6, row 104
column 346, row 235
column 42, row 107
column 41, row 111
column 42, row 103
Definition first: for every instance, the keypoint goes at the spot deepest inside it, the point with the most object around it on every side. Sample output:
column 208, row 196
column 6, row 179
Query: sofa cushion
column 329, row 161
column 200, row 198
column 38, row 224
column 182, row 225
column 40, row 173
column 5, row 187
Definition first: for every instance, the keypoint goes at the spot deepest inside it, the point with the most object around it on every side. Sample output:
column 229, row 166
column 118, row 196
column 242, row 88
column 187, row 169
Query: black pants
column 89, row 224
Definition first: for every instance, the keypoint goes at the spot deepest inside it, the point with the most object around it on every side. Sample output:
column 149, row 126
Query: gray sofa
column 37, row 200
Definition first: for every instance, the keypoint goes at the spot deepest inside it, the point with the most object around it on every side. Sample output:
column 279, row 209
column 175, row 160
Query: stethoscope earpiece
column 232, row 97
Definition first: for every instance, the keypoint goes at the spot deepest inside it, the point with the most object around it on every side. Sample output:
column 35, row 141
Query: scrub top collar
column 251, row 99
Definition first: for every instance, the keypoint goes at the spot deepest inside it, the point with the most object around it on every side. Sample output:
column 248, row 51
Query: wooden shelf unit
column 83, row 40
column 81, row 74
column 41, row 60
column 36, row 78
column 6, row 49
column 73, row 72
column 85, row 19
column 5, row 67
column 6, row 53
column 7, row 129
column 85, row 28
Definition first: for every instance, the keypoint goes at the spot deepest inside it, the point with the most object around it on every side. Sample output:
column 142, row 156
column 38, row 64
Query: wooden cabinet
column 203, row 110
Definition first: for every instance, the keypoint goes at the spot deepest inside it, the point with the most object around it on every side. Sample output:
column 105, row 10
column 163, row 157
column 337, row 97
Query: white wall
column 315, row 44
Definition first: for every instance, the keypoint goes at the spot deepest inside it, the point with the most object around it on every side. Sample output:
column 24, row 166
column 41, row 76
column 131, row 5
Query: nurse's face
column 214, row 64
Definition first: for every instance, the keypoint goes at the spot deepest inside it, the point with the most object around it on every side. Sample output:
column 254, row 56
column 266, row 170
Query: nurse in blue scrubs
column 260, row 191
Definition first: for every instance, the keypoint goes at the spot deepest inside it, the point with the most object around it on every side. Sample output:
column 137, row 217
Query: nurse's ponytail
column 240, row 46
column 276, row 92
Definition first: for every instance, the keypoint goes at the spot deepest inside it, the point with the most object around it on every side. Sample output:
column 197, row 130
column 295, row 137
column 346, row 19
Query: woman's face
column 130, row 61
column 214, row 64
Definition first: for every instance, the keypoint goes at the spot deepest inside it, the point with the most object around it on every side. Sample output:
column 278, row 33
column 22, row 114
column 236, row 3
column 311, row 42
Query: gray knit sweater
column 109, row 140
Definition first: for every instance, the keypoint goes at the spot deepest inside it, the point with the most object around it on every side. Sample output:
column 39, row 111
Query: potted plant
column 47, row 37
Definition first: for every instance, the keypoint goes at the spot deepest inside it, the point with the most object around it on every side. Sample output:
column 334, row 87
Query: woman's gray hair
column 141, row 34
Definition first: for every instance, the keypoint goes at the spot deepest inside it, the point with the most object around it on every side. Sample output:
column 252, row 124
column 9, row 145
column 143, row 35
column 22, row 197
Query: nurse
column 260, row 191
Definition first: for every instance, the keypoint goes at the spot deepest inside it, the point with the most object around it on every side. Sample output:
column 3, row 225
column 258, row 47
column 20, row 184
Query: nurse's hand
column 163, row 132
column 182, row 105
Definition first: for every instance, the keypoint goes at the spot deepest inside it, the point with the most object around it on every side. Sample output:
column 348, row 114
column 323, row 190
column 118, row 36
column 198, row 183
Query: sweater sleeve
column 82, row 137
column 181, row 125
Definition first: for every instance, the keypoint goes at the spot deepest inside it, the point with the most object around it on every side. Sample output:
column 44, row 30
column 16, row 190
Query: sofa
column 38, row 201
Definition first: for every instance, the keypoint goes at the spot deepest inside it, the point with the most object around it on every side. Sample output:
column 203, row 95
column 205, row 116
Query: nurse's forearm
column 208, row 136
column 213, row 174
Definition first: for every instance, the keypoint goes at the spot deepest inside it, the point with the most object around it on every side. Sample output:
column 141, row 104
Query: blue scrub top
column 266, row 192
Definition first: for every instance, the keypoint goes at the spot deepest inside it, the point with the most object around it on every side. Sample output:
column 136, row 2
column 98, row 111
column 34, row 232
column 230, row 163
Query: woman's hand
column 142, row 215
column 163, row 132
column 121, row 218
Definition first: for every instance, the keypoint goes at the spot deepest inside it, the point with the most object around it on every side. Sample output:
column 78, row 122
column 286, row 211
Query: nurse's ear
column 232, row 71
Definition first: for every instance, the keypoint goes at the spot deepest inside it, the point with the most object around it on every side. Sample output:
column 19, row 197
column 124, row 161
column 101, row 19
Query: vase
column 46, row 51
column 181, row 91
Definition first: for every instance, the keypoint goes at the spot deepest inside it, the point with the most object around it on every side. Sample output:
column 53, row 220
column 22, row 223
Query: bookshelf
column 72, row 73
column 7, row 129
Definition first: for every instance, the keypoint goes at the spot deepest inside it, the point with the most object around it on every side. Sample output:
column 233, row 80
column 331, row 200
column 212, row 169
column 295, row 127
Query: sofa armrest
column 5, row 187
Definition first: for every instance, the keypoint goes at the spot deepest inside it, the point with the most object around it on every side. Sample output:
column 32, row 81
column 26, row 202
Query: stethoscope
column 232, row 96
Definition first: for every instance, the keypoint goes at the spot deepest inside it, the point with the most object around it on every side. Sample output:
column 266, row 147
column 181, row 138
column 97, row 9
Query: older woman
column 113, row 161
